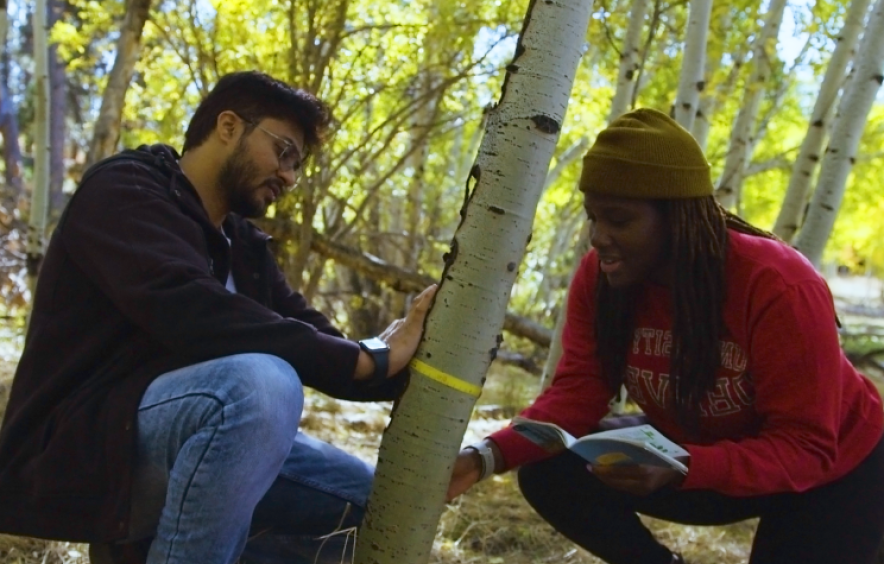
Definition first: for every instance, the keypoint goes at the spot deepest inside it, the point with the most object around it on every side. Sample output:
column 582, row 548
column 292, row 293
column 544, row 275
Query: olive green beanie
column 646, row 154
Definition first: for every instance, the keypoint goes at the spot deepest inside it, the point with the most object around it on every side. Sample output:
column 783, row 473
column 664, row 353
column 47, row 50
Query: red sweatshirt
column 788, row 413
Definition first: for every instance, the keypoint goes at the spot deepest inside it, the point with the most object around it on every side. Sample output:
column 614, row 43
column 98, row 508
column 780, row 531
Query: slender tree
column 429, row 421
column 57, row 115
column 630, row 60
column 8, row 125
column 40, row 190
column 711, row 99
column 568, row 157
column 742, row 134
column 555, row 345
column 853, row 111
column 107, row 126
column 618, row 108
column 692, row 82
column 795, row 200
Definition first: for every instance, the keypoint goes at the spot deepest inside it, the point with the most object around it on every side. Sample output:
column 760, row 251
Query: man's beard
column 237, row 178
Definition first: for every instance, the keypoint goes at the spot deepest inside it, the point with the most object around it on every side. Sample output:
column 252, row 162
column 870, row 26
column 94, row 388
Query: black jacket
column 132, row 286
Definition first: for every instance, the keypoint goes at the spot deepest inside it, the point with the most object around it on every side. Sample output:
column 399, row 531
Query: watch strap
column 486, row 455
column 381, row 359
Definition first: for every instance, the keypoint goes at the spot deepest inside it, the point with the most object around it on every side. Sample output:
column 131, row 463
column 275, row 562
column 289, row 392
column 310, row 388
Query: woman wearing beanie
column 726, row 339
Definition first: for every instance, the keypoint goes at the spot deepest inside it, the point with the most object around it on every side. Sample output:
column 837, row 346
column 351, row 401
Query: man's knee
column 265, row 391
column 245, row 391
column 260, row 379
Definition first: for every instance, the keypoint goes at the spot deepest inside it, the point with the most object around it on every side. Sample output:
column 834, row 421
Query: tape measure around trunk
column 446, row 379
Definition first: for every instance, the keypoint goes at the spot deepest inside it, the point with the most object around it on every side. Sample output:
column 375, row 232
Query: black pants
column 839, row 523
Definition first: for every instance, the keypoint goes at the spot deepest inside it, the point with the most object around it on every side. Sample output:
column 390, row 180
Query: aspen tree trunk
column 57, row 112
column 568, row 157
column 710, row 101
column 40, row 190
column 794, row 203
column 407, row 225
column 107, row 126
column 466, row 158
column 853, row 111
column 629, row 60
column 741, row 141
column 8, row 126
column 463, row 329
column 555, row 345
column 624, row 91
column 691, row 82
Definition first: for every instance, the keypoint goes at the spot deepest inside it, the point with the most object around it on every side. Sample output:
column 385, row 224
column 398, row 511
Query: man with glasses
column 155, row 410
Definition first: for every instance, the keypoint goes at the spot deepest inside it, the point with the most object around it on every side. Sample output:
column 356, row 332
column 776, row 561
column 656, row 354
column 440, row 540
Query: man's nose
column 288, row 177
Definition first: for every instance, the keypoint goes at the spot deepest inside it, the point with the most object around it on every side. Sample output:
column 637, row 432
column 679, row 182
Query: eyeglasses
column 290, row 157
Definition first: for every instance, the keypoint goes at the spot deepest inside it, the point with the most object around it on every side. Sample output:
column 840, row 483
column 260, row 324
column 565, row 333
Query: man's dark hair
column 254, row 96
column 698, row 248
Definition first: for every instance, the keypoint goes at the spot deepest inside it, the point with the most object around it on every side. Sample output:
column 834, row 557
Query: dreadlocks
column 698, row 249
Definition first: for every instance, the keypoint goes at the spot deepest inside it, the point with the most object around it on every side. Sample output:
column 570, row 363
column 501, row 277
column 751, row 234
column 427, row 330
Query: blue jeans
column 223, row 470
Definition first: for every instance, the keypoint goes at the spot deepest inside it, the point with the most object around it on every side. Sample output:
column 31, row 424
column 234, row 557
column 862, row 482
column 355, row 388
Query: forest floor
column 492, row 523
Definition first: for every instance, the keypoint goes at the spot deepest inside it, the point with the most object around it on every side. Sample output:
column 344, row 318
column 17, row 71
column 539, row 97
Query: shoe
column 119, row 553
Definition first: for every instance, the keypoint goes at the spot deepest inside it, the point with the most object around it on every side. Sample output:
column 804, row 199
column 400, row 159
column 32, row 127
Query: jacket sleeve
column 289, row 303
column 149, row 258
column 578, row 397
column 797, row 368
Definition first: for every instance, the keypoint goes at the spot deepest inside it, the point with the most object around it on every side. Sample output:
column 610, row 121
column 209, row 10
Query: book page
column 617, row 451
column 646, row 434
column 548, row 436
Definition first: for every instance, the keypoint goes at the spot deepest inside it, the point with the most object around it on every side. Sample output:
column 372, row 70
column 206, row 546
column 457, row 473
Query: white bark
column 555, row 345
column 107, row 126
column 790, row 216
column 463, row 329
column 565, row 160
column 850, row 120
column 741, row 141
column 708, row 104
column 40, row 190
column 692, row 82
column 629, row 60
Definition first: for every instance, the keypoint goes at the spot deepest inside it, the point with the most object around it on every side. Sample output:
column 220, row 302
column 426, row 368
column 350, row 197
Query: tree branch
column 397, row 278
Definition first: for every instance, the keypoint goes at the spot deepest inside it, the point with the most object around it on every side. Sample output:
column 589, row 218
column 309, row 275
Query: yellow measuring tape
column 446, row 379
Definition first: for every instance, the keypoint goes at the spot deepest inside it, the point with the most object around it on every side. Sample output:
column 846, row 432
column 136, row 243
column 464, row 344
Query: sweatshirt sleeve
column 578, row 397
column 796, row 366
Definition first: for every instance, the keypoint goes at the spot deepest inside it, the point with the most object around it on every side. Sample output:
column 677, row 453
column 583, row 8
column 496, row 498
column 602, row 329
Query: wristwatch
column 380, row 353
column 486, row 455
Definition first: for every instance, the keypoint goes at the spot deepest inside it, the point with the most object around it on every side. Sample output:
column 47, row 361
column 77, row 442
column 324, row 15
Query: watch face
column 374, row 344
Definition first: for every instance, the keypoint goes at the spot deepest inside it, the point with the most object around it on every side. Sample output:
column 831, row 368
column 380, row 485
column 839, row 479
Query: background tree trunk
column 40, row 190
column 795, row 201
column 429, row 420
column 630, row 57
column 743, row 133
column 107, row 126
column 711, row 99
column 692, row 82
column 853, row 111
column 555, row 345
column 57, row 113
column 13, row 188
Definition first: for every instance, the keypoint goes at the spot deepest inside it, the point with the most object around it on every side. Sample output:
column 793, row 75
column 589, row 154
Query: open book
column 630, row 445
